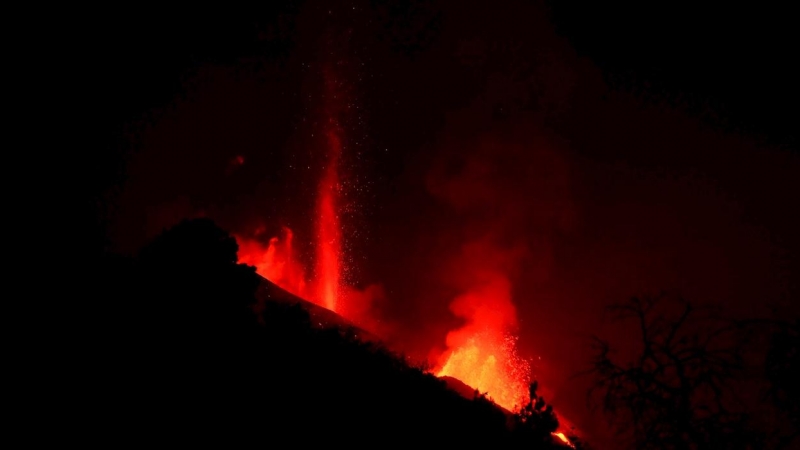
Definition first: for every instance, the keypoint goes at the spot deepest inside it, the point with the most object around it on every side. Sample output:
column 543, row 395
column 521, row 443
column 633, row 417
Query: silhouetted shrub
column 535, row 421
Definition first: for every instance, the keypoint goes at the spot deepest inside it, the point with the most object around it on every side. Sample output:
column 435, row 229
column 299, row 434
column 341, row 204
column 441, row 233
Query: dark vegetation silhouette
column 183, row 357
column 697, row 380
column 536, row 420
column 782, row 370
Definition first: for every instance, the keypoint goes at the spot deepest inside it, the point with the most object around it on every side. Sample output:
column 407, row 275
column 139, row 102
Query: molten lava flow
column 276, row 261
column 328, row 232
column 561, row 436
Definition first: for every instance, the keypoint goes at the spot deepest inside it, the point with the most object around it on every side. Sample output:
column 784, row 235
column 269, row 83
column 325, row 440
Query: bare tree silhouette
column 679, row 389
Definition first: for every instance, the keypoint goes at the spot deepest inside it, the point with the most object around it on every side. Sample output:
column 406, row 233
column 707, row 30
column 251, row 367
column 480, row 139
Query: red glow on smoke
column 483, row 352
column 275, row 261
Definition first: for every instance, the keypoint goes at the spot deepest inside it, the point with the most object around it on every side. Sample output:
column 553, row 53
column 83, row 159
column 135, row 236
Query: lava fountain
column 483, row 352
column 328, row 226
column 277, row 261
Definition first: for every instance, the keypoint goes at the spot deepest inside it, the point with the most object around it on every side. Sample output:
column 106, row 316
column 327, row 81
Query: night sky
column 592, row 153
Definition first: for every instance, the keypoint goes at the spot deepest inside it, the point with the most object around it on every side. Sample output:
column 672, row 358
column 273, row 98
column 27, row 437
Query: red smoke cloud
column 482, row 353
column 506, row 189
column 276, row 261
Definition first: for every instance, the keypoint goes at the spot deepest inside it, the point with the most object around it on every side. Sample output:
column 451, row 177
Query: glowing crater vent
column 490, row 364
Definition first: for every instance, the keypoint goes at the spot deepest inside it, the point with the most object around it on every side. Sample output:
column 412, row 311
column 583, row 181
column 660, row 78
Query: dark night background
column 624, row 148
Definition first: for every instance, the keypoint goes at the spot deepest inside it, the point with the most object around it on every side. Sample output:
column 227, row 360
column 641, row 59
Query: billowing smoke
column 505, row 188
column 276, row 261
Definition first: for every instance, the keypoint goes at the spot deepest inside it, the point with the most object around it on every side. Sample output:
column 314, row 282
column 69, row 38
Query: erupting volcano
column 482, row 352
column 422, row 218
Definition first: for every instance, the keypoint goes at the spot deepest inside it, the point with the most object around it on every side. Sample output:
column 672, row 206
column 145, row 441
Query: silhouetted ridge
column 192, row 356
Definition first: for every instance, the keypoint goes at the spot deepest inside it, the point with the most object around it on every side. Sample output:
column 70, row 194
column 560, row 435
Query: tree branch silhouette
column 679, row 388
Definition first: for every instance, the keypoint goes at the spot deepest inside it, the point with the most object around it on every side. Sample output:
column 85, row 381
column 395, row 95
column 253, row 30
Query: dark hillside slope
column 182, row 357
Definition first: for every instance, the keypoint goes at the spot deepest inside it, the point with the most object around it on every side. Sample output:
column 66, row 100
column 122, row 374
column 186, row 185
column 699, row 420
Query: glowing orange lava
column 561, row 436
column 489, row 363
